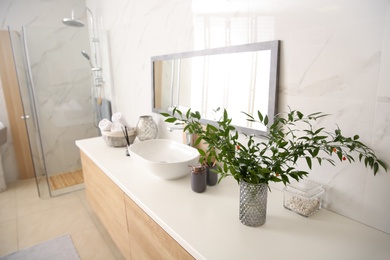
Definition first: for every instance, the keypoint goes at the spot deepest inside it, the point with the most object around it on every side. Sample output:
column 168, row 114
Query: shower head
column 85, row 55
column 72, row 21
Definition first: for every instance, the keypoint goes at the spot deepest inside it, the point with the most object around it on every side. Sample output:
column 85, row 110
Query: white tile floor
column 27, row 220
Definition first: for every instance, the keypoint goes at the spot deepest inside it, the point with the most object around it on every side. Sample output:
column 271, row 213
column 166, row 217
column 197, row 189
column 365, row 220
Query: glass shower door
column 28, row 117
column 58, row 98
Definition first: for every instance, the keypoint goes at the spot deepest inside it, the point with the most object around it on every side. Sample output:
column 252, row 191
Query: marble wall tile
column 377, row 193
column 135, row 29
column 383, row 94
column 334, row 58
column 62, row 91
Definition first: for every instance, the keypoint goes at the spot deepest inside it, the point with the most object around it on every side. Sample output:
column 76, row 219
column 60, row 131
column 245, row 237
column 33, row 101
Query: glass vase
column 253, row 203
column 146, row 128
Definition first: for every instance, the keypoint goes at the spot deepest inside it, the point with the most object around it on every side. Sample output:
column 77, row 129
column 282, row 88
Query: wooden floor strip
column 64, row 180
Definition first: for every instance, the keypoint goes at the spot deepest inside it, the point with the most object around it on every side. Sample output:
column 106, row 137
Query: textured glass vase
column 146, row 128
column 253, row 203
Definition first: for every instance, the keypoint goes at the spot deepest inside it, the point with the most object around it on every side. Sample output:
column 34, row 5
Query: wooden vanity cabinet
column 134, row 232
column 147, row 239
column 107, row 201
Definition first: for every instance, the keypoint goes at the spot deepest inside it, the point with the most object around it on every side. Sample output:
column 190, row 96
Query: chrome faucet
column 175, row 127
column 189, row 138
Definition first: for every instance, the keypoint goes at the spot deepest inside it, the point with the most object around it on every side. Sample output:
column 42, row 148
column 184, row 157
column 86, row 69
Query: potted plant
column 255, row 161
column 207, row 153
column 208, row 159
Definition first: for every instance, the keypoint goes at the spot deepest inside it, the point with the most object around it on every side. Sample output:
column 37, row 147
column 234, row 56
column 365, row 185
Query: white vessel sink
column 165, row 158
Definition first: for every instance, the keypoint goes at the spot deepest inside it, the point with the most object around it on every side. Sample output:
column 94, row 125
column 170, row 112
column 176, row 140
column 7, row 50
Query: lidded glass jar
column 198, row 178
column 146, row 128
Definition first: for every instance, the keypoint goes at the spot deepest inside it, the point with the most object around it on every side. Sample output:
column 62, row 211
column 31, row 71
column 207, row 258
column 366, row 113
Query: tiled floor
column 26, row 220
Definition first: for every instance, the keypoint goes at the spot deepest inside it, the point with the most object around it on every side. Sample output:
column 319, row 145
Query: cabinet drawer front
column 147, row 239
column 107, row 201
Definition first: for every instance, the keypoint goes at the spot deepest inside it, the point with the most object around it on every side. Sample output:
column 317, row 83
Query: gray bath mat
column 60, row 248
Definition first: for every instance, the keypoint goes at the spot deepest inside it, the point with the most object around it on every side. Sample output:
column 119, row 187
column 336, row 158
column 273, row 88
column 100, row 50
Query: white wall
column 335, row 58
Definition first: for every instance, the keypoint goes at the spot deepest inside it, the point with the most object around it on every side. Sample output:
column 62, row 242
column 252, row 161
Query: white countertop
column 207, row 225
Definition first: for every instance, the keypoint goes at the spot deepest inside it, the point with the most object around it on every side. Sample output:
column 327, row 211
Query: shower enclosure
column 60, row 101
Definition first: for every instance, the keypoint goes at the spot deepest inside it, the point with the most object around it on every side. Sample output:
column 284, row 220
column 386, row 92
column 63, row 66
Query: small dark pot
column 199, row 181
column 212, row 176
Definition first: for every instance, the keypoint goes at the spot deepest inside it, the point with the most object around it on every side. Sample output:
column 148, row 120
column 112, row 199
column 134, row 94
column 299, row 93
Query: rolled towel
column 119, row 118
column 105, row 125
column 116, row 127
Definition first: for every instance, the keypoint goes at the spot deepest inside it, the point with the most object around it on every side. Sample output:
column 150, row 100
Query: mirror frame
column 273, row 46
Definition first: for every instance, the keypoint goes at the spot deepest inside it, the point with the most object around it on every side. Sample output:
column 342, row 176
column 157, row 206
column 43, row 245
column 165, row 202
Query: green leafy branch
column 273, row 157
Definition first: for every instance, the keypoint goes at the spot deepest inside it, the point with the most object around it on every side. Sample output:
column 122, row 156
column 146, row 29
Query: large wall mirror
column 239, row 78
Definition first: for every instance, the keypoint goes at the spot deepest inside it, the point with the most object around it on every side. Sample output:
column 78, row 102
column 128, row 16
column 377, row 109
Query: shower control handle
column 25, row 117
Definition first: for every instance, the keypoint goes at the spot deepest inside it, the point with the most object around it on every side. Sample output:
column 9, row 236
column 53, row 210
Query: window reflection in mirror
column 239, row 78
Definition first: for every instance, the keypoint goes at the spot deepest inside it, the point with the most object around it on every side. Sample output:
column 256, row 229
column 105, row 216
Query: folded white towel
column 119, row 118
column 105, row 125
column 116, row 127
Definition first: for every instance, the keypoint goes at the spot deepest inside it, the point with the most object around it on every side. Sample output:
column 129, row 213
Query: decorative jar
column 146, row 128
column 198, row 178
column 303, row 197
column 212, row 176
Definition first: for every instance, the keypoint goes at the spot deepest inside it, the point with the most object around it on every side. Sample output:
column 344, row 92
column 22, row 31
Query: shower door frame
column 15, row 107
column 35, row 114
